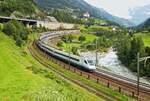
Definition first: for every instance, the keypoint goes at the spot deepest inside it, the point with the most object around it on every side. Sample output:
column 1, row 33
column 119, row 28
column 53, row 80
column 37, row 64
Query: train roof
column 47, row 34
column 62, row 52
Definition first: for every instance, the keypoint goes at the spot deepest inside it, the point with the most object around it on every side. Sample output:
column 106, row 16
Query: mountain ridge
column 145, row 25
column 80, row 6
column 140, row 14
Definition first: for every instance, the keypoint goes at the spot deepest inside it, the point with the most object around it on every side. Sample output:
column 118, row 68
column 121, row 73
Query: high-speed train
column 79, row 62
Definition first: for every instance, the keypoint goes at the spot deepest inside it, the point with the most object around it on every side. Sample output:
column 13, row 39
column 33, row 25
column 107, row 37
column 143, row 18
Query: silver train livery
column 79, row 62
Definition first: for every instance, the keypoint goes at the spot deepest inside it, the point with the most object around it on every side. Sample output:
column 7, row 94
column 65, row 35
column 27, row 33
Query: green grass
column 17, row 83
column 89, row 38
column 91, row 83
column 100, row 28
column 94, row 28
column 99, row 21
column 145, row 37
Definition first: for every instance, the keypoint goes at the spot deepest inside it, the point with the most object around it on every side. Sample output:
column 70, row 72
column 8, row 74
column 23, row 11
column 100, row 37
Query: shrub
column 60, row 44
column 1, row 27
column 9, row 29
column 19, row 41
column 68, row 38
column 74, row 50
column 82, row 38
column 17, row 30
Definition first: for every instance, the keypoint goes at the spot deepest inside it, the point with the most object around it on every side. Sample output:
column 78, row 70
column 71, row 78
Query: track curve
column 124, row 83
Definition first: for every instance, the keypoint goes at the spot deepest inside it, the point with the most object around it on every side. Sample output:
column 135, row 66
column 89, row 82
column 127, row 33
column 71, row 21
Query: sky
column 119, row 8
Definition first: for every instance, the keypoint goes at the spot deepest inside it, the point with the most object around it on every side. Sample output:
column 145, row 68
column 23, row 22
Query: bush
column 90, row 47
column 82, row 38
column 9, row 29
column 33, row 69
column 17, row 30
column 74, row 50
column 60, row 44
column 64, row 38
column 1, row 27
column 19, row 41
column 68, row 38
column 71, row 37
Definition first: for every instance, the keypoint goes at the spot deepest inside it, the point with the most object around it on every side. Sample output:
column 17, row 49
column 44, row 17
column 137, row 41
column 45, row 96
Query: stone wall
column 55, row 26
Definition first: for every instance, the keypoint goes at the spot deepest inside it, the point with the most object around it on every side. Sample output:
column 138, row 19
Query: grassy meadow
column 145, row 37
column 89, row 38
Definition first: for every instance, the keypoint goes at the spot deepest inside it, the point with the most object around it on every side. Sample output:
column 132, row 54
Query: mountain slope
column 140, row 14
column 19, row 8
column 145, row 26
column 79, row 6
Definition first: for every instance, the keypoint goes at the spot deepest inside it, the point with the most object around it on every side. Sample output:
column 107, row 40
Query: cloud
column 148, row 13
column 118, row 7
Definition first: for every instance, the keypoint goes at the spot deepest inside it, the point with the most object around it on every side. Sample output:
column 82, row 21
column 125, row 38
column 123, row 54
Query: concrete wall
column 55, row 26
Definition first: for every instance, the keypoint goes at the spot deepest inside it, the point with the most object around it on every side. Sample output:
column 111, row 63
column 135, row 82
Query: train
column 76, row 61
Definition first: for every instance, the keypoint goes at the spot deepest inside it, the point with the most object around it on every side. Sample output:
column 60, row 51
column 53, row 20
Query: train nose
column 92, row 67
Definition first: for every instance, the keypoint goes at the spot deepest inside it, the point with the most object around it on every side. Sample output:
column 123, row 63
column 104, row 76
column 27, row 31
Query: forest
column 127, row 48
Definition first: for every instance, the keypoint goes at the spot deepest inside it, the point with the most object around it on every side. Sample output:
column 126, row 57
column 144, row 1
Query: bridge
column 24, row 21
column 38, row 23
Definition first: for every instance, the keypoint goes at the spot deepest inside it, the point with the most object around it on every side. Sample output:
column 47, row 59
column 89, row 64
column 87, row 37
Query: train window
column 91, row 62
column 85, row 61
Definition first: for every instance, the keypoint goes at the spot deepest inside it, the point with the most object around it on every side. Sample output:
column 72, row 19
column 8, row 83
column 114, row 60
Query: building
column 114, row 29
column 50, row 19
column 86, row 15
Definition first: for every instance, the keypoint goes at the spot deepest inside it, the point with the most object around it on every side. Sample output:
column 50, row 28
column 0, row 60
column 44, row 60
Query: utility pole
column 96, row 52
column 138, row 69
column 138, row 72
column 69, row 53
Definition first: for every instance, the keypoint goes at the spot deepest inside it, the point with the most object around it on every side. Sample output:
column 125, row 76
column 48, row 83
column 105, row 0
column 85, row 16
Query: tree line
column 127, row 48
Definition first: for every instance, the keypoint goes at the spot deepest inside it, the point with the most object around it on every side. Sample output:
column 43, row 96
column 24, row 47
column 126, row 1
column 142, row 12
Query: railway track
column 102, row 95
column 125, row 85
column 132, row 81
column 144, row 86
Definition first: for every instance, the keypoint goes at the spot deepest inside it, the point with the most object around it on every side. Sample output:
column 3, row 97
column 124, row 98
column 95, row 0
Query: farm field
column 145, row 37
column 89, row 38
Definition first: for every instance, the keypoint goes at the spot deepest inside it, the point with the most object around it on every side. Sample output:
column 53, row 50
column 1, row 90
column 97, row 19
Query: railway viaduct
column 27, row 22
column 38, row 23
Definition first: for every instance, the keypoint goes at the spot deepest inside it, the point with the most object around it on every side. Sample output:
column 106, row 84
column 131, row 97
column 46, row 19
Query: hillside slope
column 145, row 26
column 19, row 8
column 18, row 83
column 140, row 14
column 79, row 7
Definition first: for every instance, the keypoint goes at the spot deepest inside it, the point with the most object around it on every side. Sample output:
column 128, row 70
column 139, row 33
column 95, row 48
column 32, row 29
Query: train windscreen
column 91, row 62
